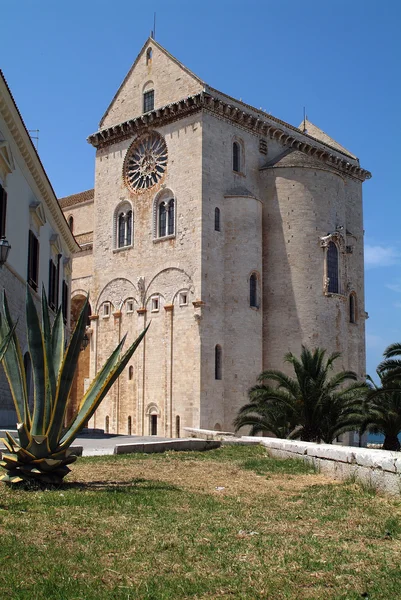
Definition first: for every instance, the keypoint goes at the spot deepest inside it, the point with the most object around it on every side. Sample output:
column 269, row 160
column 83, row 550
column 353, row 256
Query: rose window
column 146, row 162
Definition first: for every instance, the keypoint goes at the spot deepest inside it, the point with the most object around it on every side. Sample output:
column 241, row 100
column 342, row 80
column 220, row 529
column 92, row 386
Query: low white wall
column 380, row 469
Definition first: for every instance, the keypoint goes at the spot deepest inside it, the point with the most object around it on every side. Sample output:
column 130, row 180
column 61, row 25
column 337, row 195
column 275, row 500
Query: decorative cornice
column 155, row 118
column 258, row 123
column 10, row 113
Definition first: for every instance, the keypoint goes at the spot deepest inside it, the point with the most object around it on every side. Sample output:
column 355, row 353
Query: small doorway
column 153, row 424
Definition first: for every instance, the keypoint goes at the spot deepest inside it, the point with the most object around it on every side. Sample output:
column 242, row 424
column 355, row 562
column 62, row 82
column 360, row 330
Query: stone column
column 141, row 374
column 168, row 409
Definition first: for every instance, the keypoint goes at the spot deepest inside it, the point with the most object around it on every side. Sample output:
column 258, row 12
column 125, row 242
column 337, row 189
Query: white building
column 34, row 225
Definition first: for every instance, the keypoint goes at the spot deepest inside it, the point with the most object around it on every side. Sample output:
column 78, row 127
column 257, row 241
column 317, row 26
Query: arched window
column 149, row 53
column 123, row 226
column 253, row 291
column 162, row 220
column 217, row 362
column 332, row 268
column 107, row 424
column 352, row 308
column 177, row 426
column 170, row 217
column 217, row 219
column 71, row 223
column 129, row 428
column 131, row 373
column 236, row 157
column 166, row 218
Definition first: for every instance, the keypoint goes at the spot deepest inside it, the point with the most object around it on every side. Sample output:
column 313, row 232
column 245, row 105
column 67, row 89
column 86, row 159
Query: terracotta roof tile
column 77, row 198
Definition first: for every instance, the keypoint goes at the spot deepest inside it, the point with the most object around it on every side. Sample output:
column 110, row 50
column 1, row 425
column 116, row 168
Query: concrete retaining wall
column 166, row 445
column 380, row 469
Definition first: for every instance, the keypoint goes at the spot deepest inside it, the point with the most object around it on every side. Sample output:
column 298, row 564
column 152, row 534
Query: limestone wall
column 169, row 80
column 166, row 366
column 303, row 204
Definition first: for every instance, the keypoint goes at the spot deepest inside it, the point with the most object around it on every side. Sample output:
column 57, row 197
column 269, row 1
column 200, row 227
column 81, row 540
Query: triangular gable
column 170, row 79
column 311, row 129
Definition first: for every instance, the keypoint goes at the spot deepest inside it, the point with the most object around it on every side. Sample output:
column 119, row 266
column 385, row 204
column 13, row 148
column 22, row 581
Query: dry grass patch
column 160, row 527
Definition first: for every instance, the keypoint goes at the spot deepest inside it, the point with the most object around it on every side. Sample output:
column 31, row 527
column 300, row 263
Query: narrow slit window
column 253, row 291
column 129, row 428
column 236, row 157
column 131, row 373
column 149, row 54
column 332, row 268
column 217, row 219
column 217, row 362
column 71, row 224
column 352, row 309
column 106, row 309
column 107, row 424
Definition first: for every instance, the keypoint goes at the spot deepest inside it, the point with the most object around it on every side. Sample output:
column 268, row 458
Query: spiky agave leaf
column 13, row 364
column 99, row 388
column 40, row 454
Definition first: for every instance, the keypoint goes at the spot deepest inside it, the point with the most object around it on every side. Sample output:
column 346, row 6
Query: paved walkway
column 101, row 444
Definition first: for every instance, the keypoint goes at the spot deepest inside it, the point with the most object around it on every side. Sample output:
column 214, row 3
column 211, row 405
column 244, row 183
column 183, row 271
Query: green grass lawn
column 230, row 523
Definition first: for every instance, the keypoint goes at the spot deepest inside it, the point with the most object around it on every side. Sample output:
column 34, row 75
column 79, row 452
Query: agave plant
column 42, row 452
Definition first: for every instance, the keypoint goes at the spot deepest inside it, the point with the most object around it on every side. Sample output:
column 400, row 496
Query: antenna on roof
column 153, row 32
column 35, row 137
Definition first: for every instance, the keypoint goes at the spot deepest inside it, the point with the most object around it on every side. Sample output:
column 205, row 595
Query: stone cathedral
column 239, row 236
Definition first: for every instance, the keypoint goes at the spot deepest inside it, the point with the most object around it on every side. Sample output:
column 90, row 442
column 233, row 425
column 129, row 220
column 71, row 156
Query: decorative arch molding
column 337, row 238
column 153, row 409
column 116, row 291
column 171, row 280
column 149, row 85
column 79, row 292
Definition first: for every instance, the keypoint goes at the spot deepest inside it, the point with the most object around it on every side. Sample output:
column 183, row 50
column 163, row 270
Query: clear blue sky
column 342, row 60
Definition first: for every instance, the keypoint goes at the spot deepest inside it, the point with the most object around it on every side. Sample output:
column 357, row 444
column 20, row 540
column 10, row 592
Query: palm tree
column 383, row 410
column 312, row 406
column 389, row 369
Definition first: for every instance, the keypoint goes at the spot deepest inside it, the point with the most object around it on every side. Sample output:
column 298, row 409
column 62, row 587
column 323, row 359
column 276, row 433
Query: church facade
column 239, row 236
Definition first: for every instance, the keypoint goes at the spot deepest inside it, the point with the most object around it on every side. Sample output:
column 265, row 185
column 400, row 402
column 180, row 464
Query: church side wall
column 356, row 283
column 228, row 259
column 166, row 366
column 302, row 205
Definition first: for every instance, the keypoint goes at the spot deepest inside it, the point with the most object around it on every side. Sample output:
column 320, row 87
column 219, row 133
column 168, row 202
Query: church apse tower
column 238, row 235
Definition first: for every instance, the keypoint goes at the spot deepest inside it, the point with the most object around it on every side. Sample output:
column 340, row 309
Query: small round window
column 145, row 162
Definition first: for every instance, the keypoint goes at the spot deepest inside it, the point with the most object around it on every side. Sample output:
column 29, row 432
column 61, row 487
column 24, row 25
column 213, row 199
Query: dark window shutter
column 33, row 261
column 3, row 211
column 65, row 301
